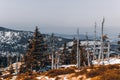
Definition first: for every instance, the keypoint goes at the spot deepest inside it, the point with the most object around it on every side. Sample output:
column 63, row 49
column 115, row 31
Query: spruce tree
column 73, row 52
column 35, row 58
column 64, row 55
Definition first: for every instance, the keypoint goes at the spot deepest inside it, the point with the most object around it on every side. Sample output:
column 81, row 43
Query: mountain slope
column 13, row 41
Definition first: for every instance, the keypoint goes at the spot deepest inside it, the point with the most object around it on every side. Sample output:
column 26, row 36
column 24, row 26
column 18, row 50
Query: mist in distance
column 63, row 16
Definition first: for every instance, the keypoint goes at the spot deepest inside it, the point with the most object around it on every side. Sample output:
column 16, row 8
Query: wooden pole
column 102, row 42
column 94, row 52
column 52, row 65
column 88, row 55
column 78, row 54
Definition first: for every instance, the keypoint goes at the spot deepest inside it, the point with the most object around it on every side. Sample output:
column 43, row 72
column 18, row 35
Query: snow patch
column 66, row 66
column 44, row 78
column 8, row 34
column 70, row 43
column 107, row 62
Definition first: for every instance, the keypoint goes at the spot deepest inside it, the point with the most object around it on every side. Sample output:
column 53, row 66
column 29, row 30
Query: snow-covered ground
column 107, row 62
column 66, row 66
column 45, row 78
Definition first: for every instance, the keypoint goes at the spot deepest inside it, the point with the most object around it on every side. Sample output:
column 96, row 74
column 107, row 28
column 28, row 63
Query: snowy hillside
column 15, row 41
column 12, row 41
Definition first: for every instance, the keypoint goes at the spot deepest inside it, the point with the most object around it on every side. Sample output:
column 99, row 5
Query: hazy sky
column 60, row 16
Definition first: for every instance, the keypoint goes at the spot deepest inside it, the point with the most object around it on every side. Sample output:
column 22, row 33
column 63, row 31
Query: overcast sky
column 60, row 16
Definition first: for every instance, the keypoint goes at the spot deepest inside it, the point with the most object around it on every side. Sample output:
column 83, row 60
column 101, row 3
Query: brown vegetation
column 56, row 72
column 104, row 72
column 109, row 72
column 27, row 76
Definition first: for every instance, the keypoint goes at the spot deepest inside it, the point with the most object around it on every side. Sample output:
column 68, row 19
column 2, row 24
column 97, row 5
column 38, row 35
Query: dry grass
column 111, row 75
column 81, row 72
column 27, row 76
column 56, row 72
column 109, row 72
column 105, row 72
column 57, row 78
